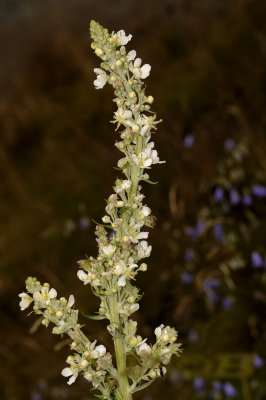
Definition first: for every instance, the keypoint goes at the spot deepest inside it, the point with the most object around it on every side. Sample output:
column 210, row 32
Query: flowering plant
column 121, row 251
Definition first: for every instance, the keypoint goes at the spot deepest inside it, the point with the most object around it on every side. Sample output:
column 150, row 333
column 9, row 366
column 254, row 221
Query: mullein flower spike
column 121, row 249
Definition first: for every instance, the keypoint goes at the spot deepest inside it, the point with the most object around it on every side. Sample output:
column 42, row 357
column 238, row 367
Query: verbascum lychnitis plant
column 122, row 245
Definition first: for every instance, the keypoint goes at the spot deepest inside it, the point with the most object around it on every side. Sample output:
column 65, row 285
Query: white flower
column 147, row 123
column 89, row 277
column 140, row 72
column 99, row 351
column 158, row 331
column 45, row 295
column 165, row 355
column 145, row 211
column 108, row 250
column 71, row 300
column 25, row 301
column 122, row 116
column 133, row 307
column 122, row 281
column 70, row 371
column 125, row 185
column 121, row 38
column 144, row 350
column 131, row 55
column 144, row 250
column 101, row 78
column 147, row 157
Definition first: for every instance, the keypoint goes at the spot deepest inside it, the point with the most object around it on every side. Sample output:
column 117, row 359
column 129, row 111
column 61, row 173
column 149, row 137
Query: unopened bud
column 165, row 337
column 59, row 313
column 98, row 51
column 152, row 373
column 150, row 99
column 106, row 219
column 133, row 341
column 135, row 128
column 143, row 267
column 118, row 63
column 84, row 363
column 125, row 238
column 132, row 94
column 120, row 203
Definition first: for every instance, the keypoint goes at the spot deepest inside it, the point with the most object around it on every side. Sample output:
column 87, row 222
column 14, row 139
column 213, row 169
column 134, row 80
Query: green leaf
column 142, row 386
column 105, row 226
column 151, row 182
column 98, row 317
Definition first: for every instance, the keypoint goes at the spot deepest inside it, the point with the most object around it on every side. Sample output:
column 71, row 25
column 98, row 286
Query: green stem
column 119, row 351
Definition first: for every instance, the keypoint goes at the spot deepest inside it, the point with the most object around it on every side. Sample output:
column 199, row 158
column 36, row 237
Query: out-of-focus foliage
column 207, row 274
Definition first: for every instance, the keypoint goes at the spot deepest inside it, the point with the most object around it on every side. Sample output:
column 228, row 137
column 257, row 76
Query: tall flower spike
column 121, row 247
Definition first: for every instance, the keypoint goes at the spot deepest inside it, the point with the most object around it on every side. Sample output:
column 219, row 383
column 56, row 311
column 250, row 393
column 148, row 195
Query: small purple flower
column 198, row 383
column 211, row 283
column 189, row 141
column 187, row 278
column 189, row 255
column 213, row 297
column 234, row 197
column 218, row 232
column 193, row 336
column 259, row 191
column 218, row 194
column 256, row 259
column 111, row 235
column 258, row 361
column 227, row 303
column 83, row 223
column 229, row 144
column 191, row 232
column 35, row 396
column 217, row 386
column 200, row 227
column 229, row 390
column 247, row 200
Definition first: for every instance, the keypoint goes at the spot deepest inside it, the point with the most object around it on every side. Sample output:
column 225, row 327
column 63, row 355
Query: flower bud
column 152, row 373
column 165, row 337
column 132, row 94
column 118, row 63
column 150, row 99
column 135, row 128
column 106, row 219
column 84, row 363
column 120, row 203
column 133, row 341
column 59, row 313
column 98, row 51
column 143, row 267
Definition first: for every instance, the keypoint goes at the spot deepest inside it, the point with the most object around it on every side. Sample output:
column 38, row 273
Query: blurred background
column 207, row 272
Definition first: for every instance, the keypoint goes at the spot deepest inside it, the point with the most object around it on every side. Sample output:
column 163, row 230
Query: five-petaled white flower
column 45, row 295
column 25, row 301
column 138, row 71
column 147, row 157
column 101, row 78
column 71, row 371
column 121, row 38
column 122, row 116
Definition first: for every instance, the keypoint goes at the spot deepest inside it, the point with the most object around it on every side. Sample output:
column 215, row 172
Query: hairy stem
column 120, row 352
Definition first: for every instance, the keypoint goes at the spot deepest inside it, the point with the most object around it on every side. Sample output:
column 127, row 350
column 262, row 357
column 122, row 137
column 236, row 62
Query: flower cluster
column 121, row 242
